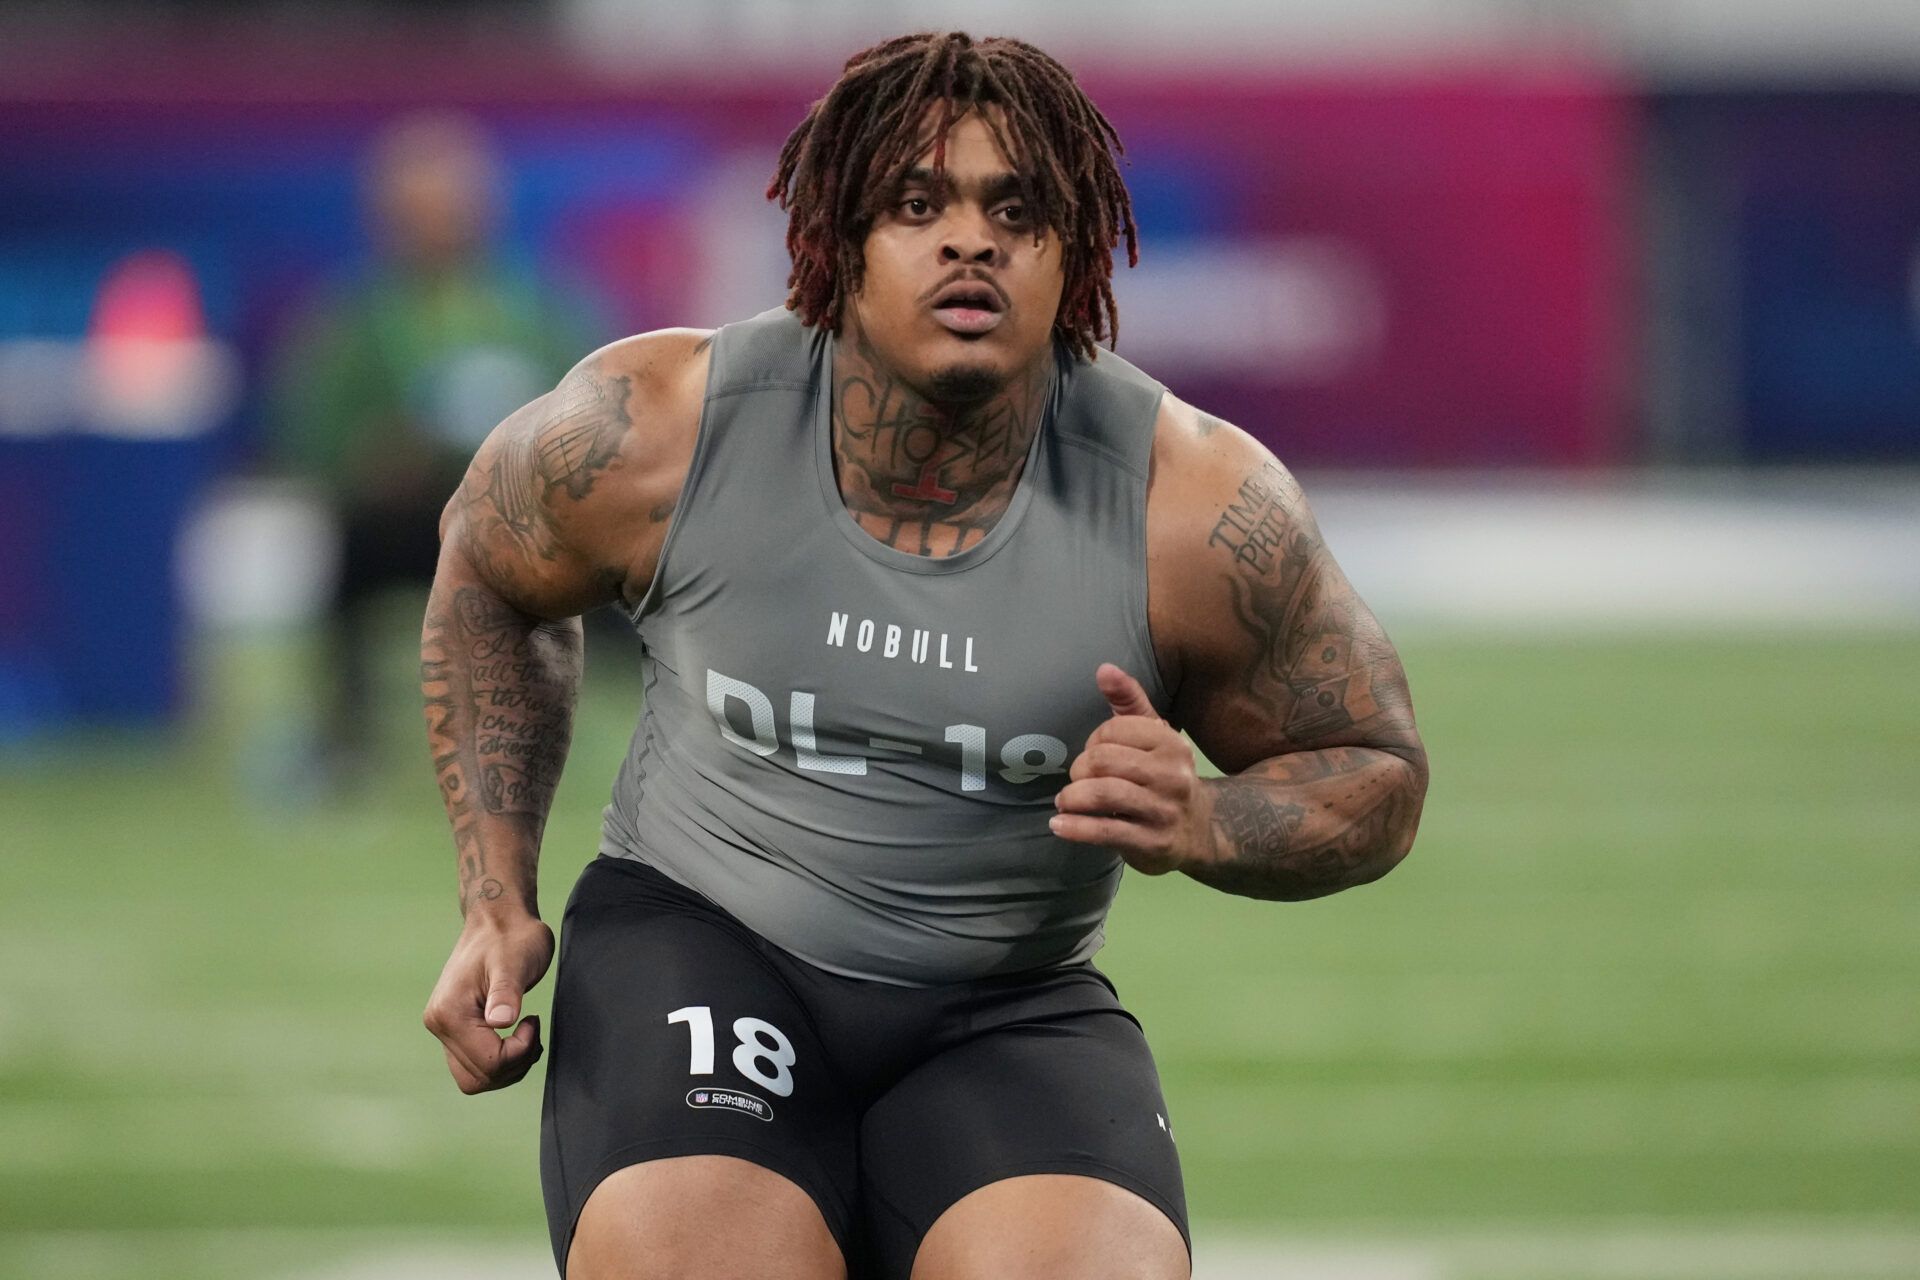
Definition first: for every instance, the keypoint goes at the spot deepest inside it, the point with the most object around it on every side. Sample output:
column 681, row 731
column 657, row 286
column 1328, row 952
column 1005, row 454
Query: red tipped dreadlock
column 839, row 167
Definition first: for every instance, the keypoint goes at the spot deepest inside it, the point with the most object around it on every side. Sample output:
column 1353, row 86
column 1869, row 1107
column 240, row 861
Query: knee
column 701, row 1218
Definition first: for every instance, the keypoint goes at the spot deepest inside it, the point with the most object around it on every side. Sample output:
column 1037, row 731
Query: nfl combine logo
column 731, row 1100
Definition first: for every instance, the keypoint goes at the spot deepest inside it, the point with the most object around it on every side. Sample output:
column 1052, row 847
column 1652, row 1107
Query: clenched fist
column 1134, row 788
column 495, row 961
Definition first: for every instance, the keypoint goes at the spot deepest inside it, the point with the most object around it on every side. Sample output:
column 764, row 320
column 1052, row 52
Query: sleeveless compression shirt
column 854, row 749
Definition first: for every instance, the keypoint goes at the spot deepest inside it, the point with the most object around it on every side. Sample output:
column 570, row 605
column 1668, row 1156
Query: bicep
column 510, row 526
column 1284, row 655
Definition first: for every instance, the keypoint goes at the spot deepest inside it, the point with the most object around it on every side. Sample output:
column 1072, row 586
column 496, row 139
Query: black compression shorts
column 677, row 1031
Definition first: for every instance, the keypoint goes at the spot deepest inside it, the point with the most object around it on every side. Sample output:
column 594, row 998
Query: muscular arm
column 500, row 650
column 564, row 508
column 1280, row 674
column 1286, row 681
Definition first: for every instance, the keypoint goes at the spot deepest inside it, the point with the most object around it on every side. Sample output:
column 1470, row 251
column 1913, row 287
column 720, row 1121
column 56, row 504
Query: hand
column 1133, row 787
column 494, row 962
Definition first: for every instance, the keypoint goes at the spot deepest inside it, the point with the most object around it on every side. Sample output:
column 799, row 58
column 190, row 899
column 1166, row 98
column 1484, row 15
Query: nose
column 968, row 238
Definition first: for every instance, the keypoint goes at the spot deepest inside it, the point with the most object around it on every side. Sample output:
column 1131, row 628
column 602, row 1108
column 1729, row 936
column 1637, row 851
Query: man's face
column 959, row 294
column 433, row 191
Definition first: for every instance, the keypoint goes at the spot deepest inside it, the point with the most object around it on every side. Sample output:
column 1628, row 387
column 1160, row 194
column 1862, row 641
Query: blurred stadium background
column 1594, row 329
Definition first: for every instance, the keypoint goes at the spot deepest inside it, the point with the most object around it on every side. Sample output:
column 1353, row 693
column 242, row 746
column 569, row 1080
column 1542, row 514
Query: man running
column 929, row 587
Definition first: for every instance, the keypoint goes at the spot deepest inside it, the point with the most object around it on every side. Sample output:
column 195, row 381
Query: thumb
column 503, row 1002
column 1123, row 692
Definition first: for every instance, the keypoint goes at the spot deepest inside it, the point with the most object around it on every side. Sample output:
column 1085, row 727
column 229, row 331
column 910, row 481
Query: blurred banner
column 1384, row 271
column 1374, row 268
column 1789, row 244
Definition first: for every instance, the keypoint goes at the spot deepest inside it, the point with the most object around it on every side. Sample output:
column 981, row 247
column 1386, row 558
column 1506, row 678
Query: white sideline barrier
column 1766, row 549
column 1758, row 549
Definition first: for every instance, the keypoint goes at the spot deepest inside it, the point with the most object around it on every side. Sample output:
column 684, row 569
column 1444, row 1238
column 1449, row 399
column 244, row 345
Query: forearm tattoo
column 499, row 691
column 1280, row 835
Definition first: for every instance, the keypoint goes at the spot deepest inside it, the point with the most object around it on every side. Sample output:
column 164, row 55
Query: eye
column 1014, row 213
column 915, row 206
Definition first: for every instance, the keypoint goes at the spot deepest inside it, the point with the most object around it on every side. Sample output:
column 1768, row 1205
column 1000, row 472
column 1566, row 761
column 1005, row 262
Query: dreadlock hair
column 838, row 169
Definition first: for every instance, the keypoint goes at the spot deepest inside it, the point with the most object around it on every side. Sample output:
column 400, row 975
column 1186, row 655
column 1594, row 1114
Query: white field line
column 1672, row 1252
column 1764, row 1249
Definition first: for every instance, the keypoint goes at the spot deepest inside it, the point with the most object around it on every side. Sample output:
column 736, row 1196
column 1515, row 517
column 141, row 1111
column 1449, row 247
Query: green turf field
column 1656, row 959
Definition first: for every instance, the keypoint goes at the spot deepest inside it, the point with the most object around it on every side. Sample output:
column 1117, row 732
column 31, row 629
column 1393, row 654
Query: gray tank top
column 853, row 749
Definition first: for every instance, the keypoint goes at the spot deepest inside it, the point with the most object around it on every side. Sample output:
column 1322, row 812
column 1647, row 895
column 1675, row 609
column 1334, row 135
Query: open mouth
column 968, row 307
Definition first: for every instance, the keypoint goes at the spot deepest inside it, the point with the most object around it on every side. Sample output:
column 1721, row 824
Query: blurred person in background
column 385, row 390
column 928, row 586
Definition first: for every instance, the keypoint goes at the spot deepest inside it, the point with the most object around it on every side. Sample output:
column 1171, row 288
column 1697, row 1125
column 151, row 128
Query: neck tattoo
column 922, row 477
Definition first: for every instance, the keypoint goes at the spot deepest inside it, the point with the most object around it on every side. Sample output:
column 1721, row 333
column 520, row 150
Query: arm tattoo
column 1253, row 528
column 1321, row 668
column 1305, row 825
column 1259, row 826
column 1335, row 802
column 499, row 690
column 555, row 454
column 499, row 683
column 583, row 436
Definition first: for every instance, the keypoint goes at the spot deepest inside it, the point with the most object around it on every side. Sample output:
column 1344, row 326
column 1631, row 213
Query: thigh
column 1052, row 1080
column 695, row 1216
column 672, row 1036
column 1051, row 1226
